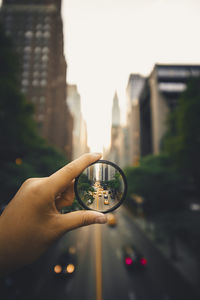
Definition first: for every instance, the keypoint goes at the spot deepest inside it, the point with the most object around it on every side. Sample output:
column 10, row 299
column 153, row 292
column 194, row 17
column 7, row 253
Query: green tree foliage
column 157, row 182
column 18, row 131
column 85, row 188
column 182, row 140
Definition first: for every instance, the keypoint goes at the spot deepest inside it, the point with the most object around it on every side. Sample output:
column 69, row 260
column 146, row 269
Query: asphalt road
column 101, row 273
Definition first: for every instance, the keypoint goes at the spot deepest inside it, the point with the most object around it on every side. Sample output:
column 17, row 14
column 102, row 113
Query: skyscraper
column 115, row 131
column 115, row 111
column 36, row 29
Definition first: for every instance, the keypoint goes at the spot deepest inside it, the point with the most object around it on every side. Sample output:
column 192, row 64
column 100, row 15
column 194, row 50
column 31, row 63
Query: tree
column 182, row 140
column 158, row 183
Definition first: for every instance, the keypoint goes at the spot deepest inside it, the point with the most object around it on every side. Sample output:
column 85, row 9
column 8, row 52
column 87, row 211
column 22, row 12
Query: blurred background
column 121, row 78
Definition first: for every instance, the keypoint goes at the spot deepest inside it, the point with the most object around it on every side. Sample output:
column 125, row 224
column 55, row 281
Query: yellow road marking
column 98, row 262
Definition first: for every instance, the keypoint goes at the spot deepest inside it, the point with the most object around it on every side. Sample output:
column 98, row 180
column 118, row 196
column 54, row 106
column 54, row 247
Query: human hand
column 31, row 222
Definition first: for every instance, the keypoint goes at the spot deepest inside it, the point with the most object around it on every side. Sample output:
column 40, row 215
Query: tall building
column 37, row 32
column 133, row 92
column 79, row 129
column 115, row 130
column 166, row 83
column 115, row 111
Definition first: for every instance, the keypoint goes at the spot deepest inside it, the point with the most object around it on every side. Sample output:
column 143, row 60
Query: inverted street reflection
column 100, row 187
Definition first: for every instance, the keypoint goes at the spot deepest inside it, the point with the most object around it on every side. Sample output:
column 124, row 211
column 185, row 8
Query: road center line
column 98, row 262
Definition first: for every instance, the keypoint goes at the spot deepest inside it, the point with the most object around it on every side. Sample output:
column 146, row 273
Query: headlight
column 70, row 268
column 57, row 269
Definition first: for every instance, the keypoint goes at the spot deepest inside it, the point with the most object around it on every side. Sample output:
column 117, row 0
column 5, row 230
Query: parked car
column 133, row 259
column 106, row 202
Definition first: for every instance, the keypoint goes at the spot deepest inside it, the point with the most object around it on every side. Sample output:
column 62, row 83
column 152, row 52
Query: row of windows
column 35, row 82
column 38, row 34
column 35, row 74
column 37, row 57
column 36, row 67
column 36, row 50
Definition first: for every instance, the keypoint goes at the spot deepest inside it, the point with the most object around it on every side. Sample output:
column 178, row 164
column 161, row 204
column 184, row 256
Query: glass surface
column 100, row 187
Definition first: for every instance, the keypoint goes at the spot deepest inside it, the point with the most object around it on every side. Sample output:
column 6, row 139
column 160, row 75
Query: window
column 37, row 50
column 45, row 50
column 38, row 34
column 29, row 34
column 43, row 82
column 46, row 35
column 45, row 58
column 35, row 82
column 27, row 49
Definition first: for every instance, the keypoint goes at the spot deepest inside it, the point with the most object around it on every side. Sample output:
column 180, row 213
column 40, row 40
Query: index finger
column 65, row 175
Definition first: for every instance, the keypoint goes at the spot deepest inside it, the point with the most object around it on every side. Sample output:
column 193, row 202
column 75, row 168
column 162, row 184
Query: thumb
column 81, row 218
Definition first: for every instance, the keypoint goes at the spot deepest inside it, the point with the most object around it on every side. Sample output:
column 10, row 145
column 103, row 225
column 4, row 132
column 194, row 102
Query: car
column 133, row 259
column 104, row 192
column 105, row 196
column 111, row 220
column 106, row 202
column 66, row 263
column 99, row 194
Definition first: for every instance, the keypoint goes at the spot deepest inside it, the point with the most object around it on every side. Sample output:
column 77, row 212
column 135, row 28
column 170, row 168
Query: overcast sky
column 106, row 40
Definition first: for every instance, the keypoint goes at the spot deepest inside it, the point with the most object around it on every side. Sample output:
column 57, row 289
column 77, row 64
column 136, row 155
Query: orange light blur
column 57, row 269
column 70, row 268
column 18, row 161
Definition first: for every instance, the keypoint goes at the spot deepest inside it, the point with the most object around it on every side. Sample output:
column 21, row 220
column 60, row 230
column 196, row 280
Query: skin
column 31, row 222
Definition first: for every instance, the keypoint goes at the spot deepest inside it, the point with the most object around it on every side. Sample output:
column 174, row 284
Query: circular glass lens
column 101, row 186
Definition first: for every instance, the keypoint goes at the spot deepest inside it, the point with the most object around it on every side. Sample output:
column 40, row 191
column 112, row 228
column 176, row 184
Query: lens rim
column 124, row 192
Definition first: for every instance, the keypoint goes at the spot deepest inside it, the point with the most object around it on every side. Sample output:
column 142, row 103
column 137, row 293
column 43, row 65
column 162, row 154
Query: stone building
column 37, row 32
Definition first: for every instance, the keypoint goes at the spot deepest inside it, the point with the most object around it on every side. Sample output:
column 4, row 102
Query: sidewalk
column 186, row 263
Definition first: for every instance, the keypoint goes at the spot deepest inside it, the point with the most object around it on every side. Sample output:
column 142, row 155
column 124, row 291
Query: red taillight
column 143, row 261
column 128, row 261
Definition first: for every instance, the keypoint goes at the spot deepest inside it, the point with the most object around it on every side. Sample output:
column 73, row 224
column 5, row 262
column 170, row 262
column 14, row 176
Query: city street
column 99, row 202
column 111, row 280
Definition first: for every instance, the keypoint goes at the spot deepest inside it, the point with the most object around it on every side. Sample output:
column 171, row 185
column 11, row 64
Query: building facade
column 133, row 91
column 166, row 83
column 80, row 128
column 115, row 132
column 37, row 33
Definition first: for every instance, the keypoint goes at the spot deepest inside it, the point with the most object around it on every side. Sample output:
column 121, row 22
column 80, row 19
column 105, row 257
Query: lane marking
column 98, row 262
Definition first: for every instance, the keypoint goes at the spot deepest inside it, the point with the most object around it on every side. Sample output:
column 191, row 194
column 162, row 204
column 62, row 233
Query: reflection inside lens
column 100, row 187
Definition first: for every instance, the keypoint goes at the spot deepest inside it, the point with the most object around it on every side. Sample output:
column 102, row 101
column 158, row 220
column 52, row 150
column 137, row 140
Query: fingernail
column 101, row 220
